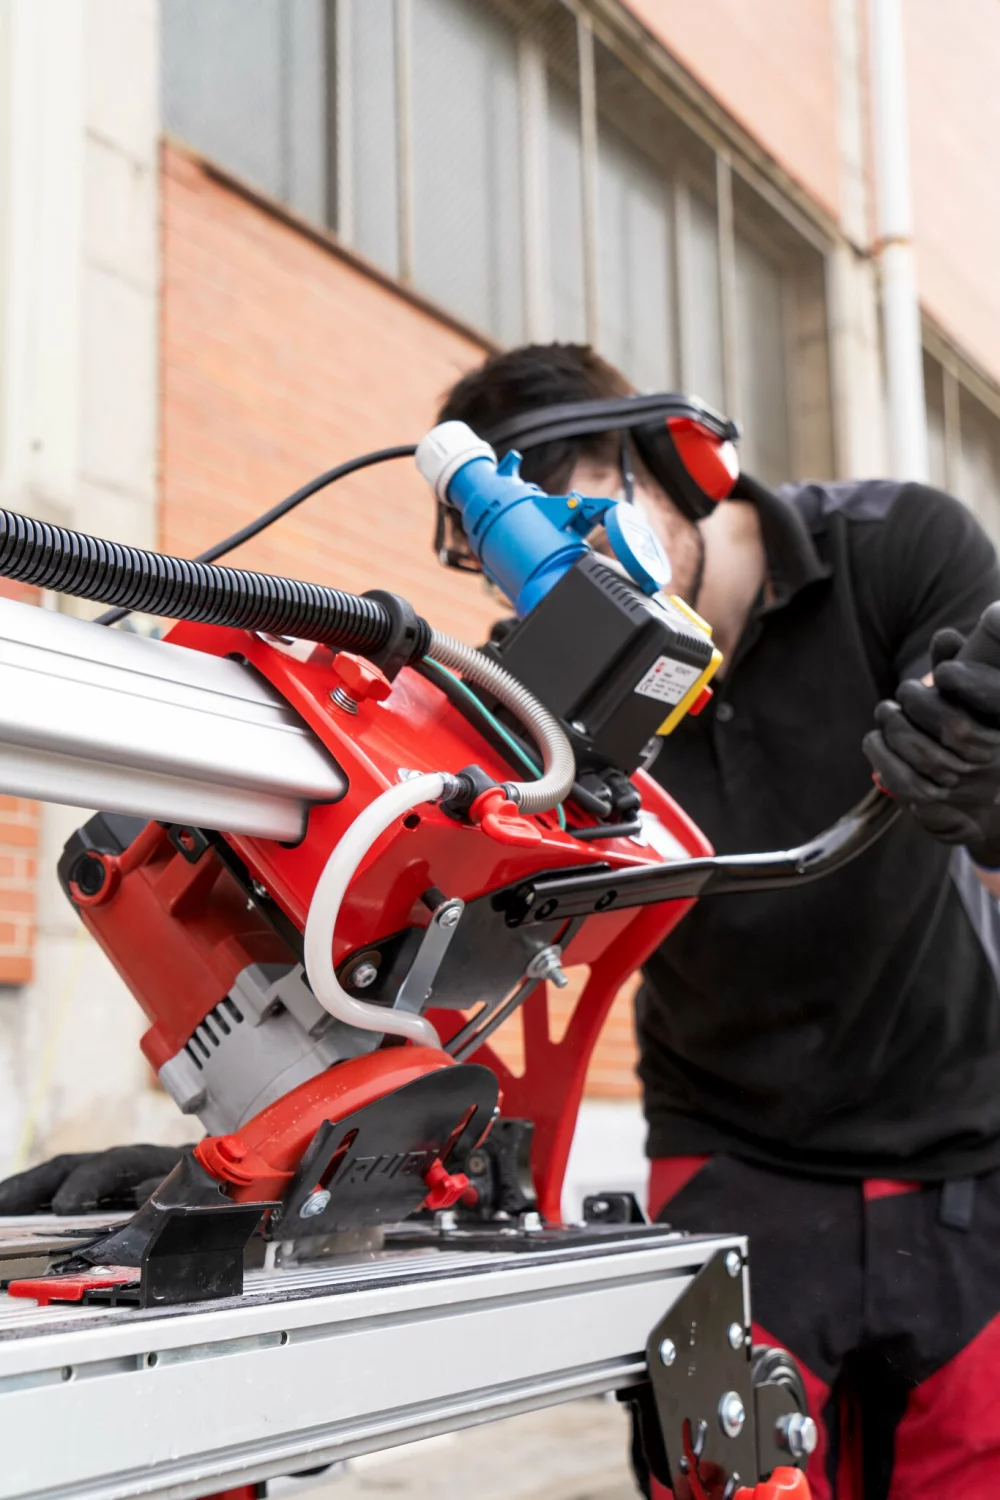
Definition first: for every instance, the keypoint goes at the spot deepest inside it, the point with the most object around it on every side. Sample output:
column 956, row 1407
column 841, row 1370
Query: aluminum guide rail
column 101, row 718
column 324, row 1362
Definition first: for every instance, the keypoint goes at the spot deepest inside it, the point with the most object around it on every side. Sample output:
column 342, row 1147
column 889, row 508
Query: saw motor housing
column 206, row 928
column 340, row 1126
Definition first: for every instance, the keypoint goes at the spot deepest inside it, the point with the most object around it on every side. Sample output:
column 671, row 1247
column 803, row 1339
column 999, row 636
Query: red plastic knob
column 445, row 1188
column 361, row 678
column 499, row 817
column 784, row 1484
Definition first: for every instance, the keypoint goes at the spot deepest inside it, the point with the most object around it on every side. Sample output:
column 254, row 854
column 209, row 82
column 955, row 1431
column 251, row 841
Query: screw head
column 577, row 727
column 734, row 1263
column 450, row 917
column 736, row 1335
column 668, row 1352
column 732, row 1414
column 364, row 975
column 314, row 1204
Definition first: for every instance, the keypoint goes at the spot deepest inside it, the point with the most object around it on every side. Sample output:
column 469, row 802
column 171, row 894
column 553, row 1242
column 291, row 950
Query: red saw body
column 183, row 916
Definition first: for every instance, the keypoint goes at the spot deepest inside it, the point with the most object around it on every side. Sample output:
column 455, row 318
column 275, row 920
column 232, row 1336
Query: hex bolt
column 446, row 1219
column 364, row 975
column 797, row 1434
column 531, row 1222
column 732, row 1414
column 314, row 1204
column 734, row 1263
column 668, row 1352
column 737, row 1336
column 547, row 964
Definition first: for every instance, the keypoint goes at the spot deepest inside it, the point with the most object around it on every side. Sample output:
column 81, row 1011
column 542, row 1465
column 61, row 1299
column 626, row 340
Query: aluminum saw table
column 325, row 1361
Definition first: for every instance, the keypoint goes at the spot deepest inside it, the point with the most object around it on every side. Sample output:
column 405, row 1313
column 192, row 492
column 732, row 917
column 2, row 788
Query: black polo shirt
column 853, row 1026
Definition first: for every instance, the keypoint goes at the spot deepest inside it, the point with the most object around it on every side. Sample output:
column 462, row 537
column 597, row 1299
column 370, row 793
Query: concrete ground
column 573, row 1452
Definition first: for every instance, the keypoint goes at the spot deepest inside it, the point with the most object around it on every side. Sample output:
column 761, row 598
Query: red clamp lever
column 360, row 679
column 62, row 1287
column 784, row 1484
column 444, row 1188
column 499, row 817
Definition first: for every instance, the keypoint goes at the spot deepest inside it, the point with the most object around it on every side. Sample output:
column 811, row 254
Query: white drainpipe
column 894, row 229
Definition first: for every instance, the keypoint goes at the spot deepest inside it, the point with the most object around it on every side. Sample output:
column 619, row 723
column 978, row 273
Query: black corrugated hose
column 71, row 562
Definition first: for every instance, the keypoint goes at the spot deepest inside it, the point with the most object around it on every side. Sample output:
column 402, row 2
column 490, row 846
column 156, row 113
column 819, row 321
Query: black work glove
column 937, row 750
column 80, row 1182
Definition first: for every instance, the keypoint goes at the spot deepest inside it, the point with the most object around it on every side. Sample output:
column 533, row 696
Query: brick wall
column 18, row 856
column 281, row 357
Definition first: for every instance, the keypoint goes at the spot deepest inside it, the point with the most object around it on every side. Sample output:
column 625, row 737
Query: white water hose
column 329, row 894
column 555, row 783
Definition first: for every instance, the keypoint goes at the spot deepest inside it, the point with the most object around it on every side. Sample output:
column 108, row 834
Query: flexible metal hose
column 559, row 767
column 53, row 557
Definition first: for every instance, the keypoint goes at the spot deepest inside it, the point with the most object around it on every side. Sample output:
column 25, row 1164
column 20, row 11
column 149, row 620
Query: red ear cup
column 712, row 462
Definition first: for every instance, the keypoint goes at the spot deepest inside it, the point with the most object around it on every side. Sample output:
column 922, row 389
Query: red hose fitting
column 498, row 816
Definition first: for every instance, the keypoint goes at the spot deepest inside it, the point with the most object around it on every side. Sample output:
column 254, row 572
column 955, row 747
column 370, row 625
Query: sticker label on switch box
column 667, row 680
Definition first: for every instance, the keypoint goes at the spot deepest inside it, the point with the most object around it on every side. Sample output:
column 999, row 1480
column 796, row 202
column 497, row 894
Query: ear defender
column 696, row 464
column 711, row 461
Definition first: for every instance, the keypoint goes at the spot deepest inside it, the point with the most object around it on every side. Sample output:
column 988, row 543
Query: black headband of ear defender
column 644, row 418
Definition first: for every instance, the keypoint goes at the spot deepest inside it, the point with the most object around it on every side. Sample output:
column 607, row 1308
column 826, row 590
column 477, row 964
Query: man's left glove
column 937, row 750
column 79, row 1182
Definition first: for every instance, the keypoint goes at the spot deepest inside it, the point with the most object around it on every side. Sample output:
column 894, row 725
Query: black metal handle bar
column 563, row 895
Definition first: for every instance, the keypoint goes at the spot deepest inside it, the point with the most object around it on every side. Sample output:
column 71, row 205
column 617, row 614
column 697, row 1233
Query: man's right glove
column 937, row 750
column 80, row 1182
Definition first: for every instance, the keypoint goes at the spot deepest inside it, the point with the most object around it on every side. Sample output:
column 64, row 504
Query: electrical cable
column 607, row 831
column 462, row 696
column 254, row 528
column 71, row 562
column 558, row 763
column 469, row 700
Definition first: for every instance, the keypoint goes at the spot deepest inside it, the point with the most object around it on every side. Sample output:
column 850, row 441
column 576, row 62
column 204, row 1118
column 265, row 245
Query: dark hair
column 521, row 380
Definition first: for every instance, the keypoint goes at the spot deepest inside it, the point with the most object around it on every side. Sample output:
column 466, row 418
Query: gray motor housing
column 266, row 1036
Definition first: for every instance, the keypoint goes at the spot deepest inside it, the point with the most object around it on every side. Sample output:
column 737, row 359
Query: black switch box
column 600, row 654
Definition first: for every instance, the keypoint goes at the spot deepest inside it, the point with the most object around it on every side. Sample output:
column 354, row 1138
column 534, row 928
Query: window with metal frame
column 503, row 160
column 963, row 436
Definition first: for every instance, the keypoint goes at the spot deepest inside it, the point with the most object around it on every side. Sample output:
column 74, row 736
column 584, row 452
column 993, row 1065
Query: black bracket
column 719, row 1404
column 701, row 1382
column 613, row 1208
